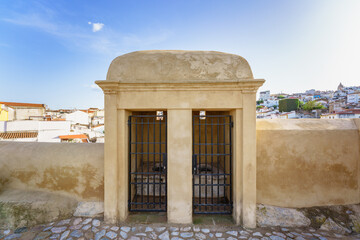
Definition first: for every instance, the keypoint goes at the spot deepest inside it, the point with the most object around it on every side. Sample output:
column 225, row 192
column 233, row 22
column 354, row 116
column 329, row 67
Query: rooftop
column 178, row 66
column 76, row 136
column 16, row 104
column 19, row 134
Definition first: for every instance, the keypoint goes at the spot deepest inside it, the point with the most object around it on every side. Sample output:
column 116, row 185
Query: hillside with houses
column 37, row 123
column 342, row 103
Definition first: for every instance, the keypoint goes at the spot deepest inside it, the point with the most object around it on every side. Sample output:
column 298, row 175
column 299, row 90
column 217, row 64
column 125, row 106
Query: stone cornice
column 245, row 86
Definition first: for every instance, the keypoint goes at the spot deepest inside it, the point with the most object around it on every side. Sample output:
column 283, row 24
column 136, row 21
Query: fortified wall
column 300, row 163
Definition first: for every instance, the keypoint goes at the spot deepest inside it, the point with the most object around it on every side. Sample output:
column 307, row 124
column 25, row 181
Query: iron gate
column 212, row 164
column 147, row 163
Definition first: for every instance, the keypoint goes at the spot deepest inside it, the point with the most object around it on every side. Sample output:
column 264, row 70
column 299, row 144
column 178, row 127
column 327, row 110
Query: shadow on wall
column 308, row 162
column 68, row 168
column 300, row 163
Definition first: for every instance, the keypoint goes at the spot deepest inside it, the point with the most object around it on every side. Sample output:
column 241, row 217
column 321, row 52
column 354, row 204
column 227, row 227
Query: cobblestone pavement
column 92, row 228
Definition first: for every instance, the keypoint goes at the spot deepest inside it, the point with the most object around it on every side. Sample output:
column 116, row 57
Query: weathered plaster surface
column 73, row 169
column 171, row 65
column 176, row 81
column 179, row 170
column 300, row 163
column 304, row 163
column 23, row 208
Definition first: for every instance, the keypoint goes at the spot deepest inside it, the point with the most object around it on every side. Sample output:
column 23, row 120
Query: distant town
column 37, row 123
column 342, row 103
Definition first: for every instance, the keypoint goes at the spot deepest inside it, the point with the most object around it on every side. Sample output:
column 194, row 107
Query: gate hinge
column 232, row 124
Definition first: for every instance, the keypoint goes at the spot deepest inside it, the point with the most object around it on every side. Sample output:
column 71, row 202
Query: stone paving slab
column 96, row 229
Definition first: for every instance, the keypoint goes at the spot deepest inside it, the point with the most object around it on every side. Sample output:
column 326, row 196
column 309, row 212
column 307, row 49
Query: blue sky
column 52, row 51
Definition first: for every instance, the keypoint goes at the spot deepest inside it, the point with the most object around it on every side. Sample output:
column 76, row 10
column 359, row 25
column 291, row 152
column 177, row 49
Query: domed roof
column 178, row 66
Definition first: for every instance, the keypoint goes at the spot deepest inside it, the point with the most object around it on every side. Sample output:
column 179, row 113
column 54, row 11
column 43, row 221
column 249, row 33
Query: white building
column 351, row 113
column 329, row 116
column 271, row 103
column 34, row 131
column 352, row 98
column 264, row 95
column 100, row 113
column 23, row 111
column 306, row 98
column 98, row 121
column 78, row 117
column 327, row 95
column 288, row 115
column 340, row 94
column 311, row 91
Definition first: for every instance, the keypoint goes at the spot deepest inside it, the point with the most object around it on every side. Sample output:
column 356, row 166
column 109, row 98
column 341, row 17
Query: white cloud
column 97, row 26
column 110, row 42
column 95, row 87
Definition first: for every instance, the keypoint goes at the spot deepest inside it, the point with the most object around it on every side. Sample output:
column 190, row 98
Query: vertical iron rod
column 142, row 162
column 136, row 154
column 231, row 160
column 212, row 165
column 129, row 156
column 148, row 161
column 166, row 169
column 160, row 164
column 199, row 168
column 224, row 152
column 154, row 162
column 218, row 163
column 206, row 170
column 193, row 160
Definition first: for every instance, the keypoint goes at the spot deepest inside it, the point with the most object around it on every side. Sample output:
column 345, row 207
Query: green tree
column 311, row 105
column 281, row 97
column 288, row 105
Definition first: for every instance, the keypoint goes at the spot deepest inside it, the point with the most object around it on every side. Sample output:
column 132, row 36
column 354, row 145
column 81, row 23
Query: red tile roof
column 99, row 125
column 80, row 136
column 350, row 111
column 14, row 135
column 15, row 104
column 87, row 111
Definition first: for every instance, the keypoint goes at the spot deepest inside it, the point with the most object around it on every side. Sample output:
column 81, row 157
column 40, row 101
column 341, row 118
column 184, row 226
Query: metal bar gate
column 147, row 163
column 212, row 164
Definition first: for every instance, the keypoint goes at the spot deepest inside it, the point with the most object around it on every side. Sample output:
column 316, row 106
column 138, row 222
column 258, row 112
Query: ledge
column 244, row 85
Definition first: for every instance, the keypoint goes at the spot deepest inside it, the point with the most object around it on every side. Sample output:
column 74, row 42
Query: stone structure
column 306, row 163
column 180, row 82
column 300, row 163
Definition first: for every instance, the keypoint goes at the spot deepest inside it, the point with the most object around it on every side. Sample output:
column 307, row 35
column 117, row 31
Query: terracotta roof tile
column 87, row 111
column 15, row 104
column 350, row 111
column 14, row 135
column 81, row 136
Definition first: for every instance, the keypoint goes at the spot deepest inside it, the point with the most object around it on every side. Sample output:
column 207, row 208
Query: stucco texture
column 76, row 170
column 300, row 163
column 304, row 163
column 178, row 66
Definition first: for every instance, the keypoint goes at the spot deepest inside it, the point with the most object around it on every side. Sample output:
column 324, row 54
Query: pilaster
column 110, row 159
column 179, row 166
